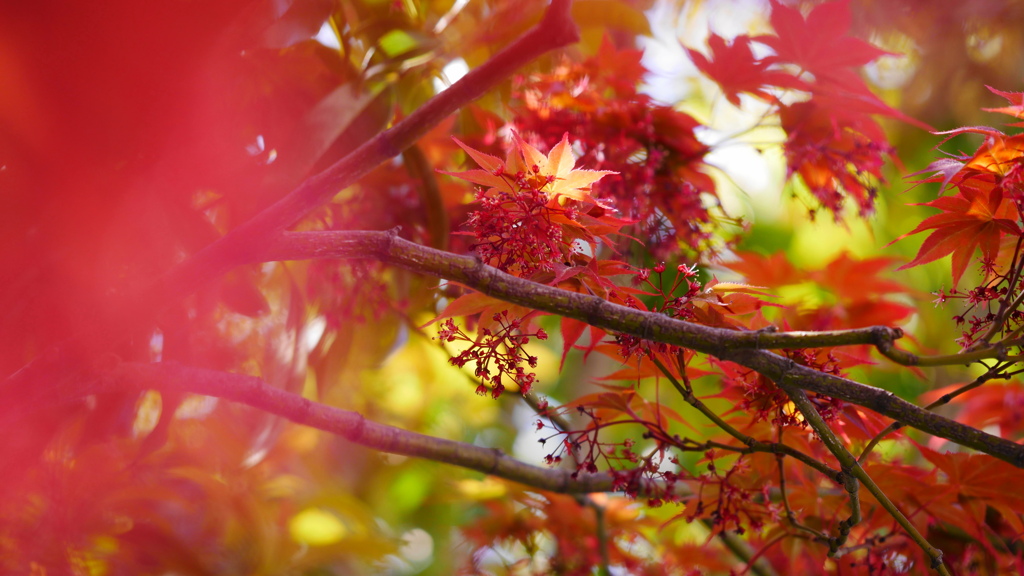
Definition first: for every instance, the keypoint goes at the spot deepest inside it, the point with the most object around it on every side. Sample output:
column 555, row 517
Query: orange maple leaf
column 977, row 217
column 556, row 173
column 980, row 481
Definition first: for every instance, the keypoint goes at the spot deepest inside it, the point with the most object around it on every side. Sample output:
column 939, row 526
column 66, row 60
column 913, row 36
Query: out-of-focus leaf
column 610, row 14
column 735, row 69
column 363, row 119
column 468, row 305
column 300, row 22
column 165, row 549
column 397, row 42
column 316, row 527
column 332, row 117
column 410, row 487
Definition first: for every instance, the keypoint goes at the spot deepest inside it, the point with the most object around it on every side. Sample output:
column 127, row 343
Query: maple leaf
column 560, row 168
column 653, row 147
column 852, row 279
column 997, row 164
column 735, row 69
column 998, row 156
column 819, row 43
column 535, row 209
column 943, row 170
column 554, row 173
column 1016, row 108
column 857, row 295
column 770, row 271
column 490, row 176
column 620, row 69
column 977, row 217
column 979, row 481
column 834, row 152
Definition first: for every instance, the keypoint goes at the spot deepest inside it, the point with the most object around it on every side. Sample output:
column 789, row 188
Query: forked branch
column 730, row 345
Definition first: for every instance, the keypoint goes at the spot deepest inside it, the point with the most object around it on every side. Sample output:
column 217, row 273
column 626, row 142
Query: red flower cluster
column 727, row 502
column 765, row 401
column 676, row 300
column 836, row 154
column 497, row 354
column 515, row 230
column 535, row 210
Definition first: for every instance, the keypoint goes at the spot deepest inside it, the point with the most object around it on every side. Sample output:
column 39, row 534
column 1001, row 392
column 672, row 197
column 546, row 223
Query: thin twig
column 752, row 444
column 784, row 496
column 852, row 472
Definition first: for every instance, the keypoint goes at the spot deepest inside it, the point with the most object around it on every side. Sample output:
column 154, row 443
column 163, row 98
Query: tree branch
column 852, row 472
column 730, row 345
column 253, row 391
column 991, row 374
column 356, row 244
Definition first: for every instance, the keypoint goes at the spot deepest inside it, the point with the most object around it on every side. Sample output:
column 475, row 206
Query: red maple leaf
column 771, row 271
column 834, row 152
column 998, row 161
column 975, row 483
column 620, row 69
column 735, row 69
column 1016, row 108
column 819, row 43
column 977, row 217
column 852, row 279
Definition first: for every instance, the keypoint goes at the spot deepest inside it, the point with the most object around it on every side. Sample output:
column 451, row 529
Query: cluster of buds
column 498, row 354
column 729, row 505
column 514, row 230
column 979, row 316
column 764, row 400
column 676, row 301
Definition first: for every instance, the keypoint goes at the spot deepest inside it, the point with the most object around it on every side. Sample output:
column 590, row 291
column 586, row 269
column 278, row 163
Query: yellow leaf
column 316, row 527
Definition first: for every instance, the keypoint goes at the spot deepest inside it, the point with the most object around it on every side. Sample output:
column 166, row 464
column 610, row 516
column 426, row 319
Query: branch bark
column 252, row 391
column 743, row 348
